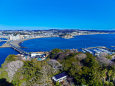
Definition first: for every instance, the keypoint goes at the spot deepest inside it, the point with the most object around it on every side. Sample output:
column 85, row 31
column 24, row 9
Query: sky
column 57, row 14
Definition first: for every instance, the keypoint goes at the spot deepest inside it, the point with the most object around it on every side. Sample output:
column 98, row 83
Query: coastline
column 73, row 36
column 18, row 42
column 5, row 45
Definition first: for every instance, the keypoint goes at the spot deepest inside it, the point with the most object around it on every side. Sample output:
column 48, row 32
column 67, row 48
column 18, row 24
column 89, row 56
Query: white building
column 39, row 56
column 35, row 54
column 17, row 37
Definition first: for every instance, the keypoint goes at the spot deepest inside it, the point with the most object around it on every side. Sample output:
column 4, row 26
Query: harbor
column 99, row 50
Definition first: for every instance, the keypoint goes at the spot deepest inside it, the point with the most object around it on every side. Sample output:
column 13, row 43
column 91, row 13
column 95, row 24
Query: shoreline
column 73, row 36
column 18, row 42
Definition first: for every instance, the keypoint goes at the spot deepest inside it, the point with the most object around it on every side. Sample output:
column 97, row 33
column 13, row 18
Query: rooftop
column 58, row 76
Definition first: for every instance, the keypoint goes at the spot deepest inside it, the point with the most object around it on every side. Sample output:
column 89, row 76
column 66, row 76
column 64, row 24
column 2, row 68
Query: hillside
column 82, row 69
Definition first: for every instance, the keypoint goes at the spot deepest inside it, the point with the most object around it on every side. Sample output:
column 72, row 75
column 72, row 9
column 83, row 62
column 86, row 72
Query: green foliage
column 57, row 84
column 108, row 83
column 70, row 63
column 33, row 72
column 29, row 73
column 11, row 58
column 30, row 70
column 109, row 57
column 54, row 53
column 85, row 72
column 90, row 61
column 3, row 74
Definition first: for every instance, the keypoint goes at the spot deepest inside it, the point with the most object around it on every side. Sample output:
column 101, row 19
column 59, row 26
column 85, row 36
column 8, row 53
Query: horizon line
column 4, row 27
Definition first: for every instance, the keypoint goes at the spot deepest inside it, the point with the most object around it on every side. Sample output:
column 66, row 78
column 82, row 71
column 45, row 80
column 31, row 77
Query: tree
column 58, row 84
column 11, row 58
column 103, row 75
column 109, row 74
column 113, row 77
column 54, row 53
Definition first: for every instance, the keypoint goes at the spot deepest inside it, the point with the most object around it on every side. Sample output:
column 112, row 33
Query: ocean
column 78, row 42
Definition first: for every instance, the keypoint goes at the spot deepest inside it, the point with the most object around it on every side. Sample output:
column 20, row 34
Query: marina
column 98, row 50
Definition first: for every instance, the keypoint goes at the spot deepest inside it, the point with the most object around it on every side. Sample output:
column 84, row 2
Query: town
column 29, row 34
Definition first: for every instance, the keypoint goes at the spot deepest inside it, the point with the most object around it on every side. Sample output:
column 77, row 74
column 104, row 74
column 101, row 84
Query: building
column 60, row 77
column 17, row 37
column 35, row 54
column 39, row 56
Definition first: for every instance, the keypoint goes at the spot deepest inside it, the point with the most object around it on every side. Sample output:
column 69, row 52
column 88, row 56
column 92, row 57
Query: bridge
column 19, row 50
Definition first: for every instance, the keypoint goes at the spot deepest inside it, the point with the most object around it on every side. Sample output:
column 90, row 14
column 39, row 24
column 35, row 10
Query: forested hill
column 82, row 69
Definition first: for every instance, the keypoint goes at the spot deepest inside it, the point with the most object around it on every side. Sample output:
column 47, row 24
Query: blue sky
column 62, row 14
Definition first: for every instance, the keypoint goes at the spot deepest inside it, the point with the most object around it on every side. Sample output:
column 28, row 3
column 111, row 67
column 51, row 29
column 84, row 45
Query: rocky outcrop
column 12, row 67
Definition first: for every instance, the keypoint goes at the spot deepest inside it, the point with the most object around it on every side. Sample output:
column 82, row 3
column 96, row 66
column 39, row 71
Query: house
column 60, row 77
